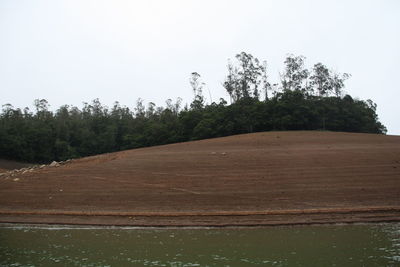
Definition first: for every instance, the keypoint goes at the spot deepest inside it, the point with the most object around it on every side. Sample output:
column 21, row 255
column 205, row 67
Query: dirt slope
column 253, row 179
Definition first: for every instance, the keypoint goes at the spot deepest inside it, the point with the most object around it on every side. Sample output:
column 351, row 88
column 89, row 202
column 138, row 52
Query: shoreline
column 218, row 219
column 57, row 226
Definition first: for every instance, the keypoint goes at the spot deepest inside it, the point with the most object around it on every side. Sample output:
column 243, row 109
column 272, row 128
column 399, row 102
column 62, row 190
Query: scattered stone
column 16, row 179
column 223, row 153
column 12, row 173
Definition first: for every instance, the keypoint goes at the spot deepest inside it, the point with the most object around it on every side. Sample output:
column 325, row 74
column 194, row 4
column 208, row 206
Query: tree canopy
column 302, row 100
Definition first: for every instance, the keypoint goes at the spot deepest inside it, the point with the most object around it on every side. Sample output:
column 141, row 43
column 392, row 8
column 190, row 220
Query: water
column 339, row 245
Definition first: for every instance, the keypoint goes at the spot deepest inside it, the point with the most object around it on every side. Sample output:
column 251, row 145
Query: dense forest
column 303, row 99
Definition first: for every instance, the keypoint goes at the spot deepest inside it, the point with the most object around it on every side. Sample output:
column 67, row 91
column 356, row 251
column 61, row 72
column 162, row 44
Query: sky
column 74, row 51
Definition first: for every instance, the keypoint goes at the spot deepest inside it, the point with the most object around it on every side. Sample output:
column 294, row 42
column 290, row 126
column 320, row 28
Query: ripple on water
column 370, row 245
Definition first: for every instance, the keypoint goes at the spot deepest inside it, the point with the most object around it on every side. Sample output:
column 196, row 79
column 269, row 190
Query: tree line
column 302, row 100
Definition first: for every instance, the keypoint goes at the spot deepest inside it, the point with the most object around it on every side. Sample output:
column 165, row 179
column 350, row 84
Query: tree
column 197, row 87
column 327, row 82
column 41, row 105
column 140, row 109
column 321, row 79
column 231, row 83
column 174, row 107
column 295, row 75
column 338, row 83
column 243, row 80
column 266, row 86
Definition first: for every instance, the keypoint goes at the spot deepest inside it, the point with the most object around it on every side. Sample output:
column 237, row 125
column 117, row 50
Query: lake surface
column 327, row 245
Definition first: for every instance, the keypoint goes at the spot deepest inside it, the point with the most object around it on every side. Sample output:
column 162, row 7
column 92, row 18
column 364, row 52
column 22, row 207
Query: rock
column 54, row 164
column 223, row 153
column 16, row 179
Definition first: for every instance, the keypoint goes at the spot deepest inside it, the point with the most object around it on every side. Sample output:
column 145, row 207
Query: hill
column 252, row 179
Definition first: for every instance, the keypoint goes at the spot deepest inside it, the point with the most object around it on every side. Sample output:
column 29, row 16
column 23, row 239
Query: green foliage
column 295, row 74
column 307, row 100
column 245, row 77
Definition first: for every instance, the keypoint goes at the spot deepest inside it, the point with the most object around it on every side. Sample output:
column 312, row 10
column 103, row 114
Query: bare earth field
column 246, row 180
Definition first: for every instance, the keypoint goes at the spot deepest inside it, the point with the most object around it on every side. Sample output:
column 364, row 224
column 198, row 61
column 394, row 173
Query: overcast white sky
column 71, row 51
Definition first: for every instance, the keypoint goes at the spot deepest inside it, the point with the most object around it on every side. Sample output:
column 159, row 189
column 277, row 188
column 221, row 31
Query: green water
column 339, row 245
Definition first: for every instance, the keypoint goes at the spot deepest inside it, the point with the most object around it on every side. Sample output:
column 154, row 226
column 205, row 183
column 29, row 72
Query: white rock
column 54, row 164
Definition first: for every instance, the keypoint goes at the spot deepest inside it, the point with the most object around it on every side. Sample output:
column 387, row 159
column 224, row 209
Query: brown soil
column 254, row 179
